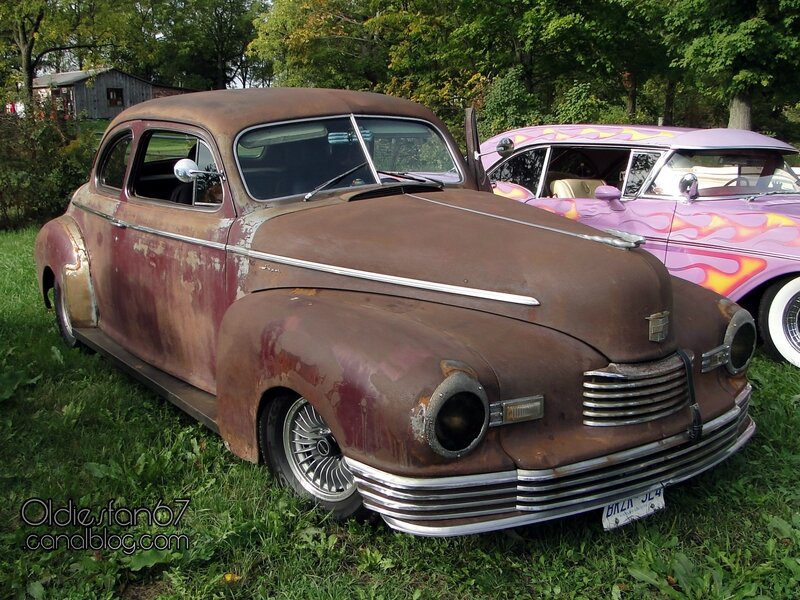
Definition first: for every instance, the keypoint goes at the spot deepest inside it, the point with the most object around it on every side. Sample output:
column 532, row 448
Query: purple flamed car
column 720, row 207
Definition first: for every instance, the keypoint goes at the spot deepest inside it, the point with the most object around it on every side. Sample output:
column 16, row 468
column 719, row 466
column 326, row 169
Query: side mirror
column 688, row 186
column 608, row 193
column 186, row 170
column 505, row 147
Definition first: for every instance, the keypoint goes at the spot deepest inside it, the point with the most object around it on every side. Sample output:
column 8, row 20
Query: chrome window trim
column 102, row 158
column 144, row 137
column 326, row 268
column 647, row 179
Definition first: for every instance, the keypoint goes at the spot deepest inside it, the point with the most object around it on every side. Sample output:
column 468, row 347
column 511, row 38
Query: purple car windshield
column 726, row 173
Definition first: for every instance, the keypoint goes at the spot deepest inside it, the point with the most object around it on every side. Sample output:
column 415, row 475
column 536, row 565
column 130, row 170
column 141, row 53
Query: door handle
column 119, row 224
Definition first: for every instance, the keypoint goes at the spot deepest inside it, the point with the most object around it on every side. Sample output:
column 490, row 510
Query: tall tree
column 736, row 50
column 325, row 43
column 39, row 29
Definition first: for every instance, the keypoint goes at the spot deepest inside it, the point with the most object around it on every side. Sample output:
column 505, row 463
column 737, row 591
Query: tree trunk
column 631, row 91
column 669, row 102
column 741, row 111
column 25, row 31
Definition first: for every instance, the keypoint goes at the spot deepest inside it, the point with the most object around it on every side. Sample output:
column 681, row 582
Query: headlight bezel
column 741, row 324
column 454, row 385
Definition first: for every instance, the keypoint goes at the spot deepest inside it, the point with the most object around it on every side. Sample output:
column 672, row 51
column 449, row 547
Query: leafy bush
column 43, row 159
column 508, row 104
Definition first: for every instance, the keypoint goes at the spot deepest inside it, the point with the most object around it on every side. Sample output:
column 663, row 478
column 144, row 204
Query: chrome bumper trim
column 439, row 506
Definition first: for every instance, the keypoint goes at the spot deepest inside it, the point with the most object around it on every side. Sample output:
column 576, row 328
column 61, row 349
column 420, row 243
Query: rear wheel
column 301, row 450
column 779, row 320
column 63, row 321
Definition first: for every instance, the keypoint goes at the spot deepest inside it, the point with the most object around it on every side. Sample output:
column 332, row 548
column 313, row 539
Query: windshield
column 305, row 157
column 726, row 173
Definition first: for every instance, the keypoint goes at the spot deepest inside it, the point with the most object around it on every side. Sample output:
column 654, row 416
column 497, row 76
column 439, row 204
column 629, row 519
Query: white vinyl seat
column 575, row 188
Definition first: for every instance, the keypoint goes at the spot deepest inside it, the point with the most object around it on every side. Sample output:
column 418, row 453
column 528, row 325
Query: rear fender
column 60, row 248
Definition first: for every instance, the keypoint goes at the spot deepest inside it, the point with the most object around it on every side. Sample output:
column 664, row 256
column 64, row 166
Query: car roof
column 230, row 111
column 641, row 136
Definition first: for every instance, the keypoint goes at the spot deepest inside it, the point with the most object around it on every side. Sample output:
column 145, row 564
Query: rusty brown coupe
column 318, row 276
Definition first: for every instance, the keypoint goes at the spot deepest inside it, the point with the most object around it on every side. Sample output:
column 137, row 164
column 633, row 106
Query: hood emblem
column 659, row 326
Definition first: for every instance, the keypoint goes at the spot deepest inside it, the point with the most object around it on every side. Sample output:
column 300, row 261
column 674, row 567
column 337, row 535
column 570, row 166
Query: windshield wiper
column 405, row 175
column 325, row 184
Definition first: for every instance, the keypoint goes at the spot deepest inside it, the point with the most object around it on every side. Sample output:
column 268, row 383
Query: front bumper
column 465, row 504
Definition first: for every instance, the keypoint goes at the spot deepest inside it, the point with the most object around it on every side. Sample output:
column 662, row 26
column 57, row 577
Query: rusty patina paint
column 180, row 291
column 62, row 240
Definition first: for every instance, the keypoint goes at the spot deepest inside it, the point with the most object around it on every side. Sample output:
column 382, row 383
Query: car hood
column 594, row 292
column 783, row 204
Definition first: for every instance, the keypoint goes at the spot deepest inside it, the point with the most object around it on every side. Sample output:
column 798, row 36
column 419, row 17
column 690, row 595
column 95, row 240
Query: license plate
column 621, row 512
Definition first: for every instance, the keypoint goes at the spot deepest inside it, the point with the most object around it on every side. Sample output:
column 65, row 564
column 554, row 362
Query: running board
column 193, row 401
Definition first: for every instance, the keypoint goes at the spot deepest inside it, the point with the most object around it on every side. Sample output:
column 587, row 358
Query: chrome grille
column 473, row 503
column 626, row 394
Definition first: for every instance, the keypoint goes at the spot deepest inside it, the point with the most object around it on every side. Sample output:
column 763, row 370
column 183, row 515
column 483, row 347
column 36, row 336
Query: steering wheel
column 740, row 180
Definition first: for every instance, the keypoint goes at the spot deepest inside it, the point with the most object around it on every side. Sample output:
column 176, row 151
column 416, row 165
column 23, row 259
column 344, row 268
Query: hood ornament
column 659, row 326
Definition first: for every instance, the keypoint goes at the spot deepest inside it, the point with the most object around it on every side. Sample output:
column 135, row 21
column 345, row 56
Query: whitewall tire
column 779, row 320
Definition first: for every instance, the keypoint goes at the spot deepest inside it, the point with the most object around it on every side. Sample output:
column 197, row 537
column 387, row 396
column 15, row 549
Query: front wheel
column 779, row 320
column 301, row 450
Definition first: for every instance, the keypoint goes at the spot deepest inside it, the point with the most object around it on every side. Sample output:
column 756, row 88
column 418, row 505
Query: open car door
column 473, row 151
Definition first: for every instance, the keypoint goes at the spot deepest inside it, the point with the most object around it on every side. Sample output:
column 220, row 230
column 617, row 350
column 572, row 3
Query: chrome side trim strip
column 616, row 242
column 165, row 234
column 177, row 236
column 325, row 268
column 383, row 278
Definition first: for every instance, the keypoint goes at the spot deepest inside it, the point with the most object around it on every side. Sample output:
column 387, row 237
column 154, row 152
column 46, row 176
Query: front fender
column 60, row 248
column 367, row 363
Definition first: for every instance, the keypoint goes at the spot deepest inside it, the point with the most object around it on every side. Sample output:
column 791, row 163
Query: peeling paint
column 417, row 417
column 142, row 247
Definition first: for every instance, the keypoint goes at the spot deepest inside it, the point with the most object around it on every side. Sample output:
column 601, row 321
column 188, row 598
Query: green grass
column 72, row 427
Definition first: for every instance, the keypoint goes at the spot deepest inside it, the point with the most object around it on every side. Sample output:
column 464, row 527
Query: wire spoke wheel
column 791, row 322
column 313, row 454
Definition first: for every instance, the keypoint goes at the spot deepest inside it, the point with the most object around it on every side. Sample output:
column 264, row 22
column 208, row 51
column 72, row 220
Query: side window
column 640, row 166
column 155, row 176
column 524, row 169
column 114, row 162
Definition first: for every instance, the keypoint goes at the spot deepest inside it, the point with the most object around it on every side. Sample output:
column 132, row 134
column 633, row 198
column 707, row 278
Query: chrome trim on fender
column 325, row 268
column 465, row 504
column 383, row 278
column 715, row 358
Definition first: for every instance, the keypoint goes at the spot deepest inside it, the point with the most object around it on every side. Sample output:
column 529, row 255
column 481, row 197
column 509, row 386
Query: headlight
column 737, row 347
column 740, row 337
column 457, row 416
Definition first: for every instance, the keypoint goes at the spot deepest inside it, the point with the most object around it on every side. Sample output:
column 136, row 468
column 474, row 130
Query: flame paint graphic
column 572, row 212
column 560, row 134
column 513, row 191
column 742, row 229
column 725, row 283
